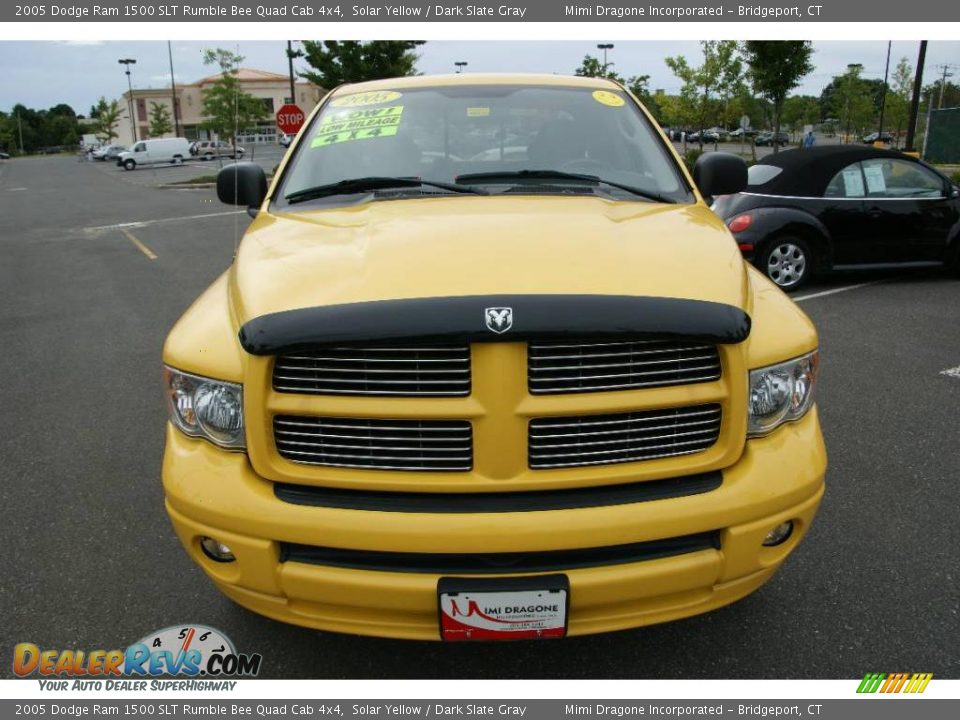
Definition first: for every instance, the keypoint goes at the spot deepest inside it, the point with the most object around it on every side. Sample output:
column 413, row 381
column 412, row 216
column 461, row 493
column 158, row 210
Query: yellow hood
column 472, row 245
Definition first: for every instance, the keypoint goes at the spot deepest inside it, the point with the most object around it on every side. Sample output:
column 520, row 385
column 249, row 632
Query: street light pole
column 133, row 124
column 291, row 54
column 173, row 93
column 461, row 64
column 605, row 47
column 883, row 101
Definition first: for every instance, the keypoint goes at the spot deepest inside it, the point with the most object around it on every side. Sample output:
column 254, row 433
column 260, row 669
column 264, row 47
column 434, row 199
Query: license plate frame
column 472, row 596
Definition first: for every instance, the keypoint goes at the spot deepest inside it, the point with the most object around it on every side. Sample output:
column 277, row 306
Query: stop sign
column 290, row 119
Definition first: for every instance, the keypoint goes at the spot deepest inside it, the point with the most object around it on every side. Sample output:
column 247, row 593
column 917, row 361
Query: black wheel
column 787, row 261
column 129, row 164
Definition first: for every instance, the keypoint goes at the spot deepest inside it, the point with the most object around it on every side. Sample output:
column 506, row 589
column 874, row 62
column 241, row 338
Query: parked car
column 284, row 140
column 875, row 137
column 108, row 152
column 209, row 149
column 154, row 152
column 4, row 156
column 826, row 207
column 740, row 132
column 430, row 382
column 767, row 138
column 709, row 136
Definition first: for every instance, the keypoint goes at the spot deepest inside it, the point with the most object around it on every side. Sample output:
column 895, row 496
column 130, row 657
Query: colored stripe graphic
column 894, row 682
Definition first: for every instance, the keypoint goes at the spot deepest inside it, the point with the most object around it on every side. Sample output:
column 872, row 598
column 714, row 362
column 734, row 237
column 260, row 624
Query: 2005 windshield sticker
column 202, row 655
column 362, row 124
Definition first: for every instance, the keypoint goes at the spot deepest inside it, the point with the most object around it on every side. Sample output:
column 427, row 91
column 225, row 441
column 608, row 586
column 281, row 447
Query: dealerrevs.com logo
column 188, row 650
column 894, row 682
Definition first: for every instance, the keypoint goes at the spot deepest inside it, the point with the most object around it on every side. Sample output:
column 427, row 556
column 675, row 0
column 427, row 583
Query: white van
column 152, row 152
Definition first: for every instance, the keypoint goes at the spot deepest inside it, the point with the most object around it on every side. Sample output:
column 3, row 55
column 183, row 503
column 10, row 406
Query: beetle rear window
column 762, row 174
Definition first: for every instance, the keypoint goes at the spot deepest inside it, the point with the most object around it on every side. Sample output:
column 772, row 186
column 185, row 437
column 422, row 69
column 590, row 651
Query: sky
column 44, row 74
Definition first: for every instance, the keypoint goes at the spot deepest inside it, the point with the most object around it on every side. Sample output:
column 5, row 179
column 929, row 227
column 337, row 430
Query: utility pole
column 20, row 129
column 946, row 67
column 173, row 94
column 133, row 123
column 915, row 103
column 883, row 101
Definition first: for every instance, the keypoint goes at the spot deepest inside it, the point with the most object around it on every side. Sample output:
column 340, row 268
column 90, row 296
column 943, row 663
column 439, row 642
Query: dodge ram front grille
column 575, row 367
column 396, row 370
column 420, row 445
column 626, row 437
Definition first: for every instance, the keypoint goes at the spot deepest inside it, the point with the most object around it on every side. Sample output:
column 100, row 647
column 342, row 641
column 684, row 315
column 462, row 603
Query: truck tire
column 129, row 164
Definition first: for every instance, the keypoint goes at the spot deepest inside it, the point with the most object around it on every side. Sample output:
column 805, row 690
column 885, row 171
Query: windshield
column 498, row 138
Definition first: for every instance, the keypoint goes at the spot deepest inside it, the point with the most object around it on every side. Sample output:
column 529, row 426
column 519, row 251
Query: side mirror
column 242, row 183
column 720, row 173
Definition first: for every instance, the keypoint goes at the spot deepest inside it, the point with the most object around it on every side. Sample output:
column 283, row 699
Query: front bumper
column 214, row 493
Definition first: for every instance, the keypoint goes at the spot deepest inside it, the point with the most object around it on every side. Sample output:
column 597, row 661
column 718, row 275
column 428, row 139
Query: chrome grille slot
column 438, row 370
column 626, row 437
column 441, row 445
column 576, row 367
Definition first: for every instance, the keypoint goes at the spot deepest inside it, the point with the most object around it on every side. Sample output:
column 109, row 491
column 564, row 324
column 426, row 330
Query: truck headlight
column 201, row 407
column 781, row 393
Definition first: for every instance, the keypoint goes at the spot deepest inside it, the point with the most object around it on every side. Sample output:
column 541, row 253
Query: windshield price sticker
column 366, row 98
column 608, row 98
column 358, row 125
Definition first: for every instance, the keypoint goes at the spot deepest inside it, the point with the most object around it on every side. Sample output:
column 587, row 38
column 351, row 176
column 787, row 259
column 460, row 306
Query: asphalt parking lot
column 95, row 267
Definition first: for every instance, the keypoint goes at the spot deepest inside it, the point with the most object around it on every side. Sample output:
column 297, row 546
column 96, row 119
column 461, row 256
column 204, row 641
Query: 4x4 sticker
column 366, row 98
column 358, row 125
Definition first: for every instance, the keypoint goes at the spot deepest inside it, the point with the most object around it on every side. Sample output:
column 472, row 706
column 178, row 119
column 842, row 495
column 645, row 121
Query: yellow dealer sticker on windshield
column 358, row 125
column 478, row 112
column 607, row 98
column 366, row 98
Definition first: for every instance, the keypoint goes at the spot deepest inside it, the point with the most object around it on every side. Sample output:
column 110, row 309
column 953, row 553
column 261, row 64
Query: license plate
column 503, row 608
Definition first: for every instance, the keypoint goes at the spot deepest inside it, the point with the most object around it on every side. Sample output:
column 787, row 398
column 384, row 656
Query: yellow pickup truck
column 487, row 367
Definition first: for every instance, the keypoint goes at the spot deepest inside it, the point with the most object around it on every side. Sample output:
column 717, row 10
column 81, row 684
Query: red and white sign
column 290, row 119
column 511, row 615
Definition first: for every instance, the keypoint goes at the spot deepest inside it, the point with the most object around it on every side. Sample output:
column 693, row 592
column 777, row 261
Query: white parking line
column 834, row 291
column 158, row 221
column 952, row 372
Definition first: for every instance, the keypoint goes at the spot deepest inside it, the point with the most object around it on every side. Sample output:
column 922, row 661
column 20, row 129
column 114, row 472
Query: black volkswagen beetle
column 808, row 210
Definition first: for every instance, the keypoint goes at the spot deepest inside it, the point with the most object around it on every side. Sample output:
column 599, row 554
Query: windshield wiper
column 559, row 175
column 376, row 182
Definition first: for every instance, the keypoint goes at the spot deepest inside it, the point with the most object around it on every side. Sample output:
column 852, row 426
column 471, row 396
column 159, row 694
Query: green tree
column 160, row 120
column 951, row 94
column 592, row 67
column 899, row 95
column 853, row 102
column 775, row 67
column 800, row 110
column 717, row 75
column 107, row 114
column 336, row 62
column 226, row 107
